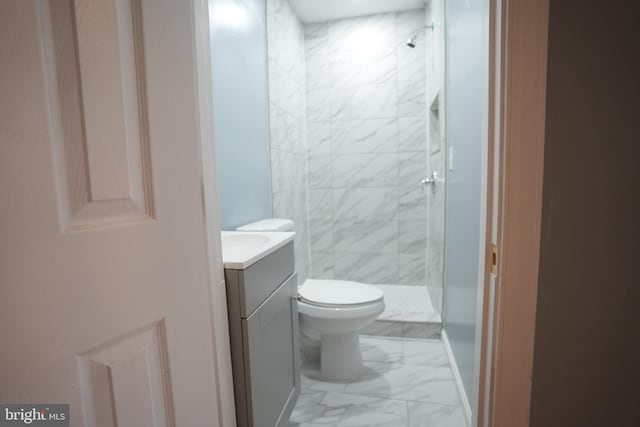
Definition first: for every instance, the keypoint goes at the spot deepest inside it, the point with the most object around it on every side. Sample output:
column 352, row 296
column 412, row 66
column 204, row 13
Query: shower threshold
column 409, row 313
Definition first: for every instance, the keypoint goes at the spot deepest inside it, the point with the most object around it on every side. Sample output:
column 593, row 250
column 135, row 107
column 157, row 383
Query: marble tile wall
column 285, row 35
column 367, row 149
column 436, row 158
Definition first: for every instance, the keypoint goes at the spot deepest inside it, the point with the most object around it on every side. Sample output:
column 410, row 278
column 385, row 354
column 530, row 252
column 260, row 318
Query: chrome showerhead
column 411, row 41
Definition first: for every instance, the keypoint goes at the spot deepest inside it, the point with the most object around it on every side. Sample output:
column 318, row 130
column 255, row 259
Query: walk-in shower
column 351, row 148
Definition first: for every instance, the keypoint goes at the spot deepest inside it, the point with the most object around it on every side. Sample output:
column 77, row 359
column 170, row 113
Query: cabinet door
column 271, row 350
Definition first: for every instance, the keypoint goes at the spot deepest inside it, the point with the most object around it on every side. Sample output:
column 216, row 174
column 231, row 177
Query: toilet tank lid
column 269, row 224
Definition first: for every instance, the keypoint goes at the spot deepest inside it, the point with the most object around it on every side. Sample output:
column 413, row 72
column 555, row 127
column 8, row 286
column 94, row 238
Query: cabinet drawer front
column 271, row 343
column 259, row 280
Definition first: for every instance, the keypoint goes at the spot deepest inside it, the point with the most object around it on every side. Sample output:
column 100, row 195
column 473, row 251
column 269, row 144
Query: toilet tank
column 269, row 224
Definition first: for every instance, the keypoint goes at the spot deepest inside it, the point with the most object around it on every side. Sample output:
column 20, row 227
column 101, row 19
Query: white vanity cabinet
column 263, row 324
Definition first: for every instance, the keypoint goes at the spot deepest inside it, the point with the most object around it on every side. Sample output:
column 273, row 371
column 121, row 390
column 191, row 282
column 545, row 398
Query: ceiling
column 327, row 10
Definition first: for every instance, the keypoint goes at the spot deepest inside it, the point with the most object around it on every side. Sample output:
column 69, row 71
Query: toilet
column 331, row 314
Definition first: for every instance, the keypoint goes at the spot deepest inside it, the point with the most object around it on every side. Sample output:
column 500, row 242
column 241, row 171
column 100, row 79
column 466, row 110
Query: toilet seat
column 339, row 294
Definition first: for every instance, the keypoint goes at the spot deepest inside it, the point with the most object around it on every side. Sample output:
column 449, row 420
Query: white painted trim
column 489, row 222
column 508, row 327
column 456, row 376
column 218, row 301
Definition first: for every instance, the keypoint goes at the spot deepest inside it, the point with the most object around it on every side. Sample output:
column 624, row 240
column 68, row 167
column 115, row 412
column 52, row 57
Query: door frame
column 209, row 188
column 513, row 151
column 513, row 139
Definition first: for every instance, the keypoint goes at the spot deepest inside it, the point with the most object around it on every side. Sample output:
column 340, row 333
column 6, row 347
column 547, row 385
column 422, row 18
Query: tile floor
column 406, row 383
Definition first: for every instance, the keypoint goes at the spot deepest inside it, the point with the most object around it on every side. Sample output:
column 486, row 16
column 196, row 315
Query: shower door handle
column 431, row 180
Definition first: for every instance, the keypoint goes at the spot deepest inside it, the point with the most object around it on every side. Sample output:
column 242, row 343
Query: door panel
column 103, row 271
column 94, row 65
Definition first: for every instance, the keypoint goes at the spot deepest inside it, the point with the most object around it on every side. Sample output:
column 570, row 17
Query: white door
column 104, row 286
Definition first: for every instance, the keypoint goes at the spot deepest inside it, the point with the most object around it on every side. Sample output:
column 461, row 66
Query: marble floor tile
column 388, row 350
column 312, row 380
column 320, row 408
column 397, row 381
column 406, row 383
column 417, row 352
column 434, row 415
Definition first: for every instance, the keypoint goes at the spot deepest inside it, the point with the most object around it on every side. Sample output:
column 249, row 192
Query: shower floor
column 409, row 313
column 408, row 304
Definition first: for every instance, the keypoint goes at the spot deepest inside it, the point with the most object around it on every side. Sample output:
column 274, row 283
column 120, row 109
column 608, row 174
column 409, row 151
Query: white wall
column 239, row 57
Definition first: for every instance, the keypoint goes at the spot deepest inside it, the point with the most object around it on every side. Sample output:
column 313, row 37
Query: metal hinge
column 494, row 259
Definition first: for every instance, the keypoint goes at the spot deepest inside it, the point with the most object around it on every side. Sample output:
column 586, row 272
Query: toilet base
column 340, row 357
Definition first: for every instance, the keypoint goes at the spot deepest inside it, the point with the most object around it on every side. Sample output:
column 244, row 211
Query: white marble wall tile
column 318, row 105
column 366, row 267
column 282, row 170
column 412, row 134
column 411, row 63
column 283, row 204
column 383, row 328
column 435, row 233
column 320, row 204
column 412, row 168
column 412, row 236
column 412, row 202
column 317, row 72
column 321, row 235
column 285, row 92
column 320, row 221
column 411, row 268
column 435, row 415
column 364, row 136
column 322, row 408
column 376, row 114
column 316, row 39
column 362, row 67
column 321, row 265
column 319, row 137
column 378, row 235
column 412, row 98
column 319, row 171
column 407, row 22
column 362, row 33
column 365, row 170
column 287, row 123
column 299, row 138
column 281, row 129
column 431, row 330
column 362, row 203
column 368, row 102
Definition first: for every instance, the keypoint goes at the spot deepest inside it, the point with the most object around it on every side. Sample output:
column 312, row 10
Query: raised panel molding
column 95, row 71
column 126, row 383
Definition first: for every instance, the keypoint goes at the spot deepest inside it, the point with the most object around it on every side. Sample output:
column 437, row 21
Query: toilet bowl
column 331, row 314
